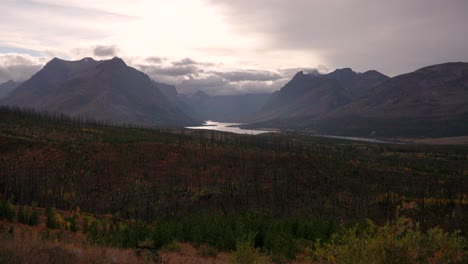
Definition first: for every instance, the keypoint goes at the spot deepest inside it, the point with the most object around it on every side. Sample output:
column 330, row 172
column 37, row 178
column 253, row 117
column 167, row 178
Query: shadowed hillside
column 102, row 90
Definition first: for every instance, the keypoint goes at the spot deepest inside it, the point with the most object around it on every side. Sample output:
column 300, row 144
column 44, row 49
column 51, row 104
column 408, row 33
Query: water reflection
column 228, row 127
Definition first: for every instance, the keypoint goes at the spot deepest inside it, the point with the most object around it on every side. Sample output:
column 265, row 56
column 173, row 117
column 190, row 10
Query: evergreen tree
column 52, row 221
column 22, row 215
column 34, row 219
column 7, row 211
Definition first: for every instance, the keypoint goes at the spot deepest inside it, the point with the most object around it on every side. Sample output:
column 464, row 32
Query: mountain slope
column 434, row 91
column 7, row 87
column 313, row 95
column 102, row 90
column 430, row 102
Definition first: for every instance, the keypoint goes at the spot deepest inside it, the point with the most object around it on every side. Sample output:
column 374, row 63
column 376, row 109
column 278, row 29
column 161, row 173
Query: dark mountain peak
column 102, row 90
column 87, row 59
column 114, row 64
column 55, row 62
column 373, row 72
column 343, row 76
column 8, row 84
column 344, row 70
column 7, row 87
column 300, row 77
column 299, row 74
column 343, row 73
column 314, row 72
column 118, row 60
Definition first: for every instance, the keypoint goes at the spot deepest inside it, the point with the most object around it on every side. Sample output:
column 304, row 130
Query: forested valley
column 276, row 197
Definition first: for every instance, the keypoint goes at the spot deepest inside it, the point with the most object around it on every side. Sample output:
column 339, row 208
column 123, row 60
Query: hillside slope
column 430, row 102
column 103, row 90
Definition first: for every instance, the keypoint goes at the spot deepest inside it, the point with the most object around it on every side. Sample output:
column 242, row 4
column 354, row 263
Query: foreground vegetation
column 272, row 197
column 83, row 238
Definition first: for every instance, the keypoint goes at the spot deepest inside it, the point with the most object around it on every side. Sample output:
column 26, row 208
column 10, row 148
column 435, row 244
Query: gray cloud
column 261, row 87
column 289, row 72
column 183, row 62
column 18, row 67
column 170, row 70
column 191, row 76
column 105, row 51
column 188, row 61
column 47, row 25
column 188, row 78
column 155, row 60
column 249, row 75
column 391, row 36
column 212, row 85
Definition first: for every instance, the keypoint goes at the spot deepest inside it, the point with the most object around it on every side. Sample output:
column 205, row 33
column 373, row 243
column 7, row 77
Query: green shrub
column 22, row 215
column 34, row 219
column 173, row 247
column 54, row 219
column 162, row 234
column 72, row 224
column 399, row 242
column 246, row 254
column 7, row 211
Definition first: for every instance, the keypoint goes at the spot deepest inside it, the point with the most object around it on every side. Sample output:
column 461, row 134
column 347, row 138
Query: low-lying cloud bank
column 189, row 75
column 19, row 67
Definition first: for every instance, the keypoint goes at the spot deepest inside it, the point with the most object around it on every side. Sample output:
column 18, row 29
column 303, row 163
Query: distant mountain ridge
column 429, row 102
column 102, row 90
column 7, row 87
column 432, row 101
column 313, row 95
column 223, row 108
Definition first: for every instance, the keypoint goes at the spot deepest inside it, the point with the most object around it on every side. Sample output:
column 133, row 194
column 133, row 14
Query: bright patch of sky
column 239, row 36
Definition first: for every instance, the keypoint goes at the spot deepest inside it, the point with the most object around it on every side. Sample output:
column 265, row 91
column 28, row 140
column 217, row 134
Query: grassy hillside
column 267, row 188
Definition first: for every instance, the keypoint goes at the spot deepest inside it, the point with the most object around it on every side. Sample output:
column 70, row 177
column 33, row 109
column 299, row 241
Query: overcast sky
column 233, row 46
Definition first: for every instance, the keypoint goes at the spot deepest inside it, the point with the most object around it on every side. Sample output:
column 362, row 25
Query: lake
column 228, row 127
column 234, row 128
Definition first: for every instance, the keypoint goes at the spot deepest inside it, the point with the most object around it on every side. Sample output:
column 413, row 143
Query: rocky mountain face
column 434, row 91
column 101, row 90
column 432, row 101
column 314, row 95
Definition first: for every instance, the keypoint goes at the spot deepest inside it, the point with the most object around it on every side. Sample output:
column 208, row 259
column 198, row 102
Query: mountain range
column 100, row 90
column 313, row 95
column 429, row 102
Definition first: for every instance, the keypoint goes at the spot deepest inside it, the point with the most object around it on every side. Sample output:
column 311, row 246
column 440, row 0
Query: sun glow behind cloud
column 392, row 37
column 170, row 28
column 178, row 28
